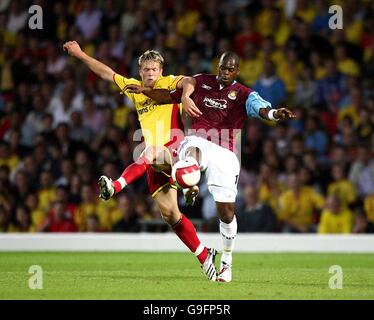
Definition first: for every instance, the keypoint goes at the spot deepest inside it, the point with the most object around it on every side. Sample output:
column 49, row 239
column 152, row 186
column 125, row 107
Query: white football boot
column 106, row 188
column 209, row 267
column 225, row 272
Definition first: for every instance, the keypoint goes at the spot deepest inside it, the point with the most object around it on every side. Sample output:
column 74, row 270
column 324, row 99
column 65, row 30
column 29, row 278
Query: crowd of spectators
column 61, row 126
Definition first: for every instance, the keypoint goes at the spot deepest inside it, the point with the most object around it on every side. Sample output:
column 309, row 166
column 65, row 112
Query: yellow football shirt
column 335, row 223
column 299, row 209
column 155, row 120
column 369, row 207
column 344, row 189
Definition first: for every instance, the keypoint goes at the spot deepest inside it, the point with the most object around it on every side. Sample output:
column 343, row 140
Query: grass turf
column 143, row 276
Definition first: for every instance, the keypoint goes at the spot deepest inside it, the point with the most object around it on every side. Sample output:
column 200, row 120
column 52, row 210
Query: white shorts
column 221, row 167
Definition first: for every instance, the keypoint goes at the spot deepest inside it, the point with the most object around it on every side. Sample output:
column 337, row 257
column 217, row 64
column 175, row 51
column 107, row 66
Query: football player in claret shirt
column 219, row 107
column 157, row 123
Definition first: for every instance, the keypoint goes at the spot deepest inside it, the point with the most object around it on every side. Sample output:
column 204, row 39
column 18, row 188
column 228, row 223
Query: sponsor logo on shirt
column 204, row 86
column 145, row 109
column 215, row 103
column 232, row 95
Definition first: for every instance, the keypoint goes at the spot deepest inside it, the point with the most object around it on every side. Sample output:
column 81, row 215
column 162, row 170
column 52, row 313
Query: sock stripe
column 122, row 182
column 228, row 238
column 199, row 249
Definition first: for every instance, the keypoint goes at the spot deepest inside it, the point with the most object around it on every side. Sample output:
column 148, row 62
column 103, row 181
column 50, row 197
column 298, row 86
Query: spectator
column 361, row 173
column 58, row 219
column 306, row 90
column 80, row 132
column 332, row 87
column 255, row 216
column 17, row 17
column 290, row 69
column 7, row 157
column 352, row 111
column 269, row 188
column 89, row 20
column 129, row 221
column 298, row 205
column 335, row 218
column 37, row 215
column 92, row 224
column 341, row 187
column 47, row 191
column 315, row 137
column 251, row 65
column 22, row 221
column 34, row 121
column 4, row 219
column 270, row 87
column 248, row 34
column 92, row 117
column 369, row 210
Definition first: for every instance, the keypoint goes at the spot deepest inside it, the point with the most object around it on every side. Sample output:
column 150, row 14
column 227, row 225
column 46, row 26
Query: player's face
column 150, row 71
column 227, row 72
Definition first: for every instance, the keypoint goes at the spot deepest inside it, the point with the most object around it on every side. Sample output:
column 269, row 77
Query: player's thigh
column 160, row 157
column 196, row 147
column 222, row 175
column 167, row 202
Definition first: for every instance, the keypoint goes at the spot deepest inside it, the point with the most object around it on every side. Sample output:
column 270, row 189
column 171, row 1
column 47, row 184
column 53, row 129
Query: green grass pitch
column 151, row 276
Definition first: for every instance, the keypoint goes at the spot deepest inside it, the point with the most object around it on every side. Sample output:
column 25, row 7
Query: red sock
column 186, row 231
column 131, row 173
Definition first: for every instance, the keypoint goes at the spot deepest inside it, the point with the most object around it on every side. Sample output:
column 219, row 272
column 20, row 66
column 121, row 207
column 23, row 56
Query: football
column 186, row 173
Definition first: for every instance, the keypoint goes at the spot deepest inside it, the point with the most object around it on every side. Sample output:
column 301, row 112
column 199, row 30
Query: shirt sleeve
column 175, row 80
column 122, row 82
column 254, row 103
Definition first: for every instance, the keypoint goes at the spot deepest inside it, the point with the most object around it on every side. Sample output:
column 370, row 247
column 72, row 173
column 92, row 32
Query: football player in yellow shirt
column 157, row 122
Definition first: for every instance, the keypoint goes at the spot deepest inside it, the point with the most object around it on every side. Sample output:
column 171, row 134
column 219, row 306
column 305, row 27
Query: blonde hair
column 151, row 55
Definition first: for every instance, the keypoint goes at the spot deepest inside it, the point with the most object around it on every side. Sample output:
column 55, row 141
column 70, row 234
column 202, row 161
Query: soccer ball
column 186, row 173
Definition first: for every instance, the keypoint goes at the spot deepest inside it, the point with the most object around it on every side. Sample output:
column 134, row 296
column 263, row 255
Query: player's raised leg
column 166, row 200
column 109, row 188
column 134, row 171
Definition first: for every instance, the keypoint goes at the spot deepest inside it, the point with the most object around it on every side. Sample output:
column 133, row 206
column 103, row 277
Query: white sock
column 122, row 182
column 228, row 235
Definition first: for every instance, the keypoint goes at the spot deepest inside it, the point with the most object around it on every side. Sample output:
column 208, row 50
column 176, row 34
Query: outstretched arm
column 260, row 108
column 161, row 96
column 102, row 70
column 276, row 114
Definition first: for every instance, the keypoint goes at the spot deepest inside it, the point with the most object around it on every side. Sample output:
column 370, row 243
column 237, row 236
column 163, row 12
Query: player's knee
column 195, row 153
column 148, row 154
column 226, row 211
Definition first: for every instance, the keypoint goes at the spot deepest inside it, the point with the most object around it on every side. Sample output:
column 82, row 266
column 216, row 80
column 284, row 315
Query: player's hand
column 190, row 107
column 284, row 113
column 73, row 48
column 190, row 195
column 134, row 88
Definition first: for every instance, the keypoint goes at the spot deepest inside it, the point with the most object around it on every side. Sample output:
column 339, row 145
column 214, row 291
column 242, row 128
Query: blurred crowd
column 61, row 126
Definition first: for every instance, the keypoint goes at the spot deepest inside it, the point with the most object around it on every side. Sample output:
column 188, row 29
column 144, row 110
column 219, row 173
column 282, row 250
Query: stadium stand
column 61, row 126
